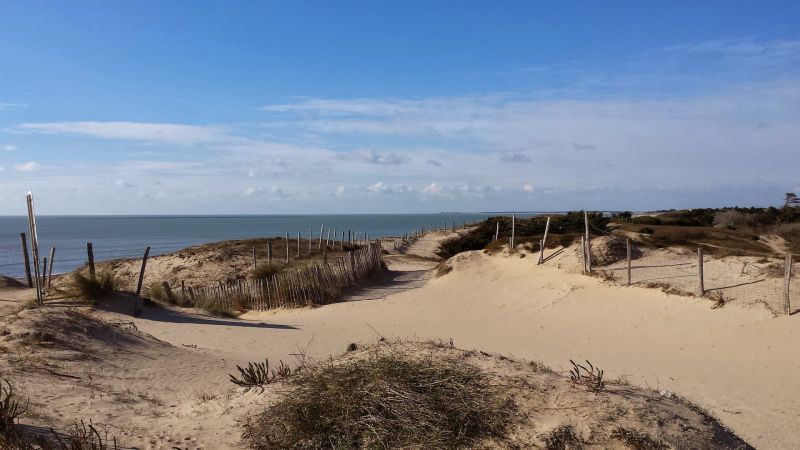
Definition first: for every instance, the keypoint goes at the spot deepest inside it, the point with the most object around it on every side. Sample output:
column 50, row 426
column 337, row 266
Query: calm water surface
column 127, row 236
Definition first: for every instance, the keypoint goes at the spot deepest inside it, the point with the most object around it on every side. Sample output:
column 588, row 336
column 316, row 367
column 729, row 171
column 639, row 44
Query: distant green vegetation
column 563, row 230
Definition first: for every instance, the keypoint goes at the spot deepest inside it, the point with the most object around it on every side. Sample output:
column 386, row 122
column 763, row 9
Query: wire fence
column 746, row 278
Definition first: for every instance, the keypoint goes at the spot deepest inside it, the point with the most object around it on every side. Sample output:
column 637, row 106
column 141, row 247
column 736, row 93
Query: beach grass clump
column 266, row 270
column 92, row 288
column 562, row 437
column 384, row 400
column 637, row 440
column 11, row 408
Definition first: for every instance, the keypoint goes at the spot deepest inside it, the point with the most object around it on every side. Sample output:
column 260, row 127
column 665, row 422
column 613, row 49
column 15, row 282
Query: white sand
column 740, row 363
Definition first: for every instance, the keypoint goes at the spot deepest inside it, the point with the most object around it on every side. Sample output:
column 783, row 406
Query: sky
column 283, row 107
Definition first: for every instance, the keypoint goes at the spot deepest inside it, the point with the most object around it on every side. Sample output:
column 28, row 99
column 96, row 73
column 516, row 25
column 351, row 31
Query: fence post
column 50, row 269
column 141, row 279
column 287, row 248
column 44, row 272
column 787, row 278
column 544, row 240
column 269, row 251
column 27, row 259
column 588, row 246
column 583, row 249
column 701, row 289
column 90, row 256
column 255, row 261
column 497, row 231
column 34, row 247
column 321, row 230
column 628, row 242
column 511, row 242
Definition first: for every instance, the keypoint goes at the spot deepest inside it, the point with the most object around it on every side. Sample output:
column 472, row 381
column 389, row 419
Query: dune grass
column 378, row 400
column 92, row 288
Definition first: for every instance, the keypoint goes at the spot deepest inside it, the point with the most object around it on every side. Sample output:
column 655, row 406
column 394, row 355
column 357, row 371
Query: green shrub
column 646, row 230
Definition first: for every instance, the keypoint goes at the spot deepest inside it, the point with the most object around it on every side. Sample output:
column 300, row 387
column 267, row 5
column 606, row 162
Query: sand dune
column 734, row 361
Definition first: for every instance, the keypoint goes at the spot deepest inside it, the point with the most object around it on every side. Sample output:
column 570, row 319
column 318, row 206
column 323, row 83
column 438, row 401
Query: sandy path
column 738, row 362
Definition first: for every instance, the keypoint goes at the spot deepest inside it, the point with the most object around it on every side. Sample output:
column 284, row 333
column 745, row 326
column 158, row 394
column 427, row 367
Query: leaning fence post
column 544, row 240
column 141, row 278
column 701, row 290
column 628, row 243
column 90, row 256
column 27, row 259
column 787, row 279
column 50, row 269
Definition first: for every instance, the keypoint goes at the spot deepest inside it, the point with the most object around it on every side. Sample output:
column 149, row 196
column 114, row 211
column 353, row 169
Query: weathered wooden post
column 44, row 272
column 27, row 259
column 583, row 249
column 341, row 243
column 298, row 245
column 628, row 243
column 269, row 251
column 588, row 246
column 321, row 230
column 141, row 279
column 50, row 269
column 787, row 279
column 544, row 241
column 90, row 256
column 287, row 248
column 328, row 238
column 511, row 242
column 255, row 260
column 497, row 231
column 701, row 290
column 34, row 247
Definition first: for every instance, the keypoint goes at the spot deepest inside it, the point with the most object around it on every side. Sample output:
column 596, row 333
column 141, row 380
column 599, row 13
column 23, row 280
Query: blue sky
column 306, row 107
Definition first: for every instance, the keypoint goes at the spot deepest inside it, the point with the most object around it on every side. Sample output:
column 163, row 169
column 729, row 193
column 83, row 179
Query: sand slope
column 737, row 362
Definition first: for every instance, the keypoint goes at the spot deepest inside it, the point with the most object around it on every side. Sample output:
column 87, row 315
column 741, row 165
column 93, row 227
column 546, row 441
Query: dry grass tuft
column 384, row 400
column 562, row 437
column 11, row 408
column 591, row 378
column 92, row 288
column 638, row 440
column 265, row 271
column 259, row 374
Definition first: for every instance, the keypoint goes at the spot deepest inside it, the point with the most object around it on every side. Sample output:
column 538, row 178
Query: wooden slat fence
column 313, row 285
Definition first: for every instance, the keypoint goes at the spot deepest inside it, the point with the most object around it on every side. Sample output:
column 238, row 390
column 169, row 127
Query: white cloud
column 250, row 191
column 432, row 188
column 387, row 158
column 251, row 173
column 120, row 183
column 340, row 191
column 30, row 166
column 527, row 187
column 136, row 131
column 8, row 148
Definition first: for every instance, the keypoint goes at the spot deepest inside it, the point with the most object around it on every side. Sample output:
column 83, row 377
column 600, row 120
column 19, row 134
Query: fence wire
column 752, row 279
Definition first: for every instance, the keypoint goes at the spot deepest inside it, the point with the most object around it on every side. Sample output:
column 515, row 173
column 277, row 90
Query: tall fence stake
column 787, row 279
column 141, row 279
column 544, row 241
column 287, row 248
column 701, row 289
column 27, row 259
column 90, row 257
column 628, row 243
column 588, row 246
column 34, row 247
column 50, row 269
column 321, row 230
column 497, row 231
column 511, row 242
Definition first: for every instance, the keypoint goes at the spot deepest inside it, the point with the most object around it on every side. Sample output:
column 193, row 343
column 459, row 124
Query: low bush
column 377, row 400
column 646, row 230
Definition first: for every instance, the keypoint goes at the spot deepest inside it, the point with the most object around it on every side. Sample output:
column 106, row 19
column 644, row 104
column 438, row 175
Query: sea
column 115, row 237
